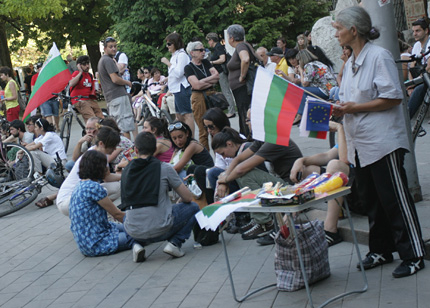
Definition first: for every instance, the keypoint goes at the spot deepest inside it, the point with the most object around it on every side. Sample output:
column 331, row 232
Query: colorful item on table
column 311, row 177
column 275, row 103
column 318, row 181
column 337, row 180
column 235, row 195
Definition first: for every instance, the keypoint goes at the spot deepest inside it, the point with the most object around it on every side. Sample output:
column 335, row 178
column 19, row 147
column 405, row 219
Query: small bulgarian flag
column 274, row 105
column 316, row 116
column 53, row 78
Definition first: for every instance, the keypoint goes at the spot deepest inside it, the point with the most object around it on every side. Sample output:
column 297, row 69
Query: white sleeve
column 178, row 64
column 123, row 59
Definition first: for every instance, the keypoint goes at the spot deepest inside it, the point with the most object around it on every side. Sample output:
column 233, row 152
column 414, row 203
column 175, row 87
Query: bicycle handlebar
column 414, row 58
column 70, row 97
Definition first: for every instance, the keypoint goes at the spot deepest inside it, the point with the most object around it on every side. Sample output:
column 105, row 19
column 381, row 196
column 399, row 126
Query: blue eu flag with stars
column 318, row 116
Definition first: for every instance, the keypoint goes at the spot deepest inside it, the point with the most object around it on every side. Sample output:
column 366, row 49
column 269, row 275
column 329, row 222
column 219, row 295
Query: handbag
column 314, row 250
column 216, row 99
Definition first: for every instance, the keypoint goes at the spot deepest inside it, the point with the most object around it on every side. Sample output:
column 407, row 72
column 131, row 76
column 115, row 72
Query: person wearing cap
column 277, row 56
column 82, row 83
column 219, row 61
column 117, row 98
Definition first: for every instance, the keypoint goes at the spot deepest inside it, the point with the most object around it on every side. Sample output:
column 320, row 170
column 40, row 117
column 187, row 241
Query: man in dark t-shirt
column 219, row 61
column 242, row 169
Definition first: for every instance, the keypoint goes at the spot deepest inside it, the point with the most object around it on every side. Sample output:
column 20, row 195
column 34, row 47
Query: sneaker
column 138, row 253
column 332, row 238
column 258, row 231
column 173, row 250
column 408, row 267
column 247, row 226
column 375, row 259
column 268, row 239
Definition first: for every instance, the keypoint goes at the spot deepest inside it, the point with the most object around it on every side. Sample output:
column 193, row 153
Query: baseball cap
column 276, row 51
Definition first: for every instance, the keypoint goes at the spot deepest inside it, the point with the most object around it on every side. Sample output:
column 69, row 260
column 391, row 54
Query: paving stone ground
column 40, row 266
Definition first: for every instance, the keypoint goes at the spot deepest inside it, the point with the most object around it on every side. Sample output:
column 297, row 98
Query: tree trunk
column 4, row 50
column 94, row 54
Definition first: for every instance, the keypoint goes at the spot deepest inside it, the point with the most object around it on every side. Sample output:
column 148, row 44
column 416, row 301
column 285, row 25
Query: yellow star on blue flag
column 318, row 116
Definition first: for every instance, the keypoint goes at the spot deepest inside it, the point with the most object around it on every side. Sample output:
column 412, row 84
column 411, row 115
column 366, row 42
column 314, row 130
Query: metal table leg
column 239, row 300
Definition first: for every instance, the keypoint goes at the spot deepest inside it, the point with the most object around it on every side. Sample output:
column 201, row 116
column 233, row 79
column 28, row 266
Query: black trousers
column 243, row 103
column 393, row 221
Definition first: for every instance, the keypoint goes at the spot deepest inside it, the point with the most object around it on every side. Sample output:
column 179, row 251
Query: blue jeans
column 313, row 90
column 212, row 175
column 183, row 222
column 416, row 99
column 50, row 108
column 183, row 100
column 334, row 93
column 125, row 241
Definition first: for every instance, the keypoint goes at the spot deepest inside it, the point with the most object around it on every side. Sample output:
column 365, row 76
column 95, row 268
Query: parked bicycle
column 66, row 125
column 418, row 130
column 151, row 109
column 17, row 194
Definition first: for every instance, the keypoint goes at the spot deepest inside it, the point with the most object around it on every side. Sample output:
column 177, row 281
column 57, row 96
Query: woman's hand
column 242, row 79
column 165, row 61
column 343, row 108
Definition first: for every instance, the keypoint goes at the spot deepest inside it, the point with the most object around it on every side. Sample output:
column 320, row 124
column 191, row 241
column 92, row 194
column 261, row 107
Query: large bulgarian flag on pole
column 274, row 105
column 53, row 78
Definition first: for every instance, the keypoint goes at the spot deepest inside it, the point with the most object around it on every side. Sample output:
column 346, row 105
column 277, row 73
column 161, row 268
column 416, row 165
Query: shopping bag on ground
column 314, row 249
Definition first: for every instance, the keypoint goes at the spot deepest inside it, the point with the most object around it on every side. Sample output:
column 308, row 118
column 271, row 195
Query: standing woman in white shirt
column 177, row 82
column 371, row 96
column 45, row 147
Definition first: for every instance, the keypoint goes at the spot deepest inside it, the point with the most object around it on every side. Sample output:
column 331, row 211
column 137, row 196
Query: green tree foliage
column 143, row 25
column 83, row 22
column 16, row 13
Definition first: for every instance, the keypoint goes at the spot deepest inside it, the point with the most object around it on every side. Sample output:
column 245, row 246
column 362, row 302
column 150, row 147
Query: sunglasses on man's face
column 168, row 44
column 85, row 63
column 199, row 49
column 110, row 39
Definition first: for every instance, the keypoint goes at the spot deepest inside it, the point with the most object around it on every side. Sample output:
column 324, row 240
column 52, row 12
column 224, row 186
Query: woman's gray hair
column 356, row 16
column 193, row 45
column 305, row 56
column 237, row 32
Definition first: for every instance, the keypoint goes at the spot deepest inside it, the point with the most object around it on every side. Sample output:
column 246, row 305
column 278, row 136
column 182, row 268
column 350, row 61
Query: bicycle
column 418, row 130
column 149, row 108
column 66, row 125
column 17, row 194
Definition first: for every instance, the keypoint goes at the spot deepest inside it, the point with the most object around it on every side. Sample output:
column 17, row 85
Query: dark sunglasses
column 84, row 63
column 169, row 44
column 200, row 49
column 210, row 126
column 146, row 72
column 174, row 126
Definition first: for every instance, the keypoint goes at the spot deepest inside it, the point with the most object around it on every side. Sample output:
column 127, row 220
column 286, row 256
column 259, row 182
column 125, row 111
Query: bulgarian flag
column 274, row 105
column 53, row 78
column 316, row 116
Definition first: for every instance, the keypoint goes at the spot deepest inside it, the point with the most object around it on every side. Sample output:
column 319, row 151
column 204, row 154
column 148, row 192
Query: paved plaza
column 41, row 266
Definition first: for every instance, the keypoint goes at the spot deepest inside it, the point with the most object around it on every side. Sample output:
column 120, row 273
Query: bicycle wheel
column 19, row 195
column 16, row 163
column 66, row 129
column 165, row 115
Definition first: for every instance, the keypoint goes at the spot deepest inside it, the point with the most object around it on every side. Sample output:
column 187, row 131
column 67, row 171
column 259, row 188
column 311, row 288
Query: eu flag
column 318, row 116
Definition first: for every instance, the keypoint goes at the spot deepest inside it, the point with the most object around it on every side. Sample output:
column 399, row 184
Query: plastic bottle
column 337, row 180
column 1, row 94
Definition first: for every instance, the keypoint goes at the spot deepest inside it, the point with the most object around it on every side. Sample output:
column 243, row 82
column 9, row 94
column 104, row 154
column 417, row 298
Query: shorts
column 50, row 108
column 183, row 100
column 120, row 110
column 12, row 113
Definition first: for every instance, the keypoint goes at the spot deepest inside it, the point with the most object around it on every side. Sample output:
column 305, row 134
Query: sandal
column 44, row 202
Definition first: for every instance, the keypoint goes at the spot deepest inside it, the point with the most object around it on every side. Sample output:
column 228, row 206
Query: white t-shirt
column 52, row 144
column 123, row 59
column 416, row 50
column 28, row 137
column 70, row 182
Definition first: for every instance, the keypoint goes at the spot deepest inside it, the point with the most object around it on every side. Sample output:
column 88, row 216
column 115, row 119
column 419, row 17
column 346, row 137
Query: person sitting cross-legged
column 89, row 205
column 150, row 215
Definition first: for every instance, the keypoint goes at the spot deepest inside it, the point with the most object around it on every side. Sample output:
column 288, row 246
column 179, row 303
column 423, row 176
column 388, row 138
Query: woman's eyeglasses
column 174, row 126
column 210, row 126
column 199, row 49
column 146, row 72
column 168, row 44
